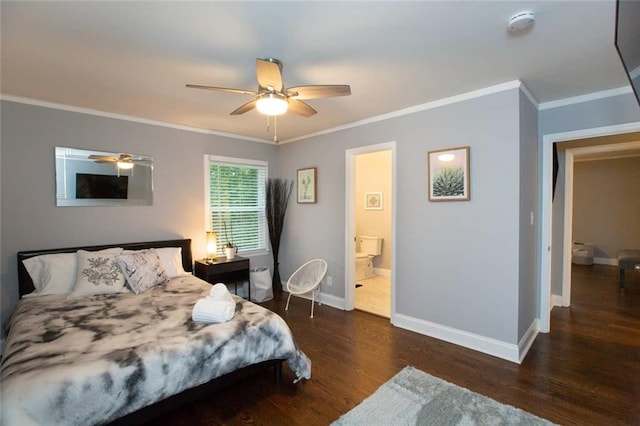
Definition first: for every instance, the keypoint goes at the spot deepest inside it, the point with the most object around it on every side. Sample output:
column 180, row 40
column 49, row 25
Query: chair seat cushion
column 628, row 259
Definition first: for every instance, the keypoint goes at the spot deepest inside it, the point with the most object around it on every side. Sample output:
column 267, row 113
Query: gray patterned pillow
column 98, row 273
column 142, row 270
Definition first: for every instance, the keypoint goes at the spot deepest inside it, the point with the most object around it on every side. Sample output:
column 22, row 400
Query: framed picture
column 448, row 174
column 373, row 200
column 307, row 185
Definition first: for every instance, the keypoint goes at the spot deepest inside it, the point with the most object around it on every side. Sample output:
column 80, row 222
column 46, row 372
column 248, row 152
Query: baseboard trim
column 527, row 340
column 382, row 272
column 605, row 261
column 556, row 300
column 325, row 299
column 487, row 345
column 333, row 301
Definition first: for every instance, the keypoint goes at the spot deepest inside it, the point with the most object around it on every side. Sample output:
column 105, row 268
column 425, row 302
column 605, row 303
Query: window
column 235, row 191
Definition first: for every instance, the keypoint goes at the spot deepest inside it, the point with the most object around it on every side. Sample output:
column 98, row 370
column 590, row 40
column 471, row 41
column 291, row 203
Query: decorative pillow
column 56, row 273
column 142, row 270
column 98, row 273
column 171, row 261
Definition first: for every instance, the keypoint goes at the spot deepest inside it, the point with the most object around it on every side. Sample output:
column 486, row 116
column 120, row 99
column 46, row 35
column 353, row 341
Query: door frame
column 545, row 249
column 569, row 162
column 350, row 222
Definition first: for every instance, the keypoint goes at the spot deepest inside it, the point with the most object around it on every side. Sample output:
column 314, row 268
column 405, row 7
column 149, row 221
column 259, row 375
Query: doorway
column 586, row 153
column 370, row 217
column 546, row 236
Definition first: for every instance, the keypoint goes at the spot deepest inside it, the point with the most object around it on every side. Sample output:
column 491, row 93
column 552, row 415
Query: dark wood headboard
column 24, row 279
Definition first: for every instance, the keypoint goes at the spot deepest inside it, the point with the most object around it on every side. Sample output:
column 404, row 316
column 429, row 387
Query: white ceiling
column 134, row 58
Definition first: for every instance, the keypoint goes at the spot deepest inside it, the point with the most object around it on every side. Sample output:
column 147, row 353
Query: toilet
column 367, row 247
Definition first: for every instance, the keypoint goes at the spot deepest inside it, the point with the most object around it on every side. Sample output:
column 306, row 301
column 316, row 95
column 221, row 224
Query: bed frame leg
column 277, row 371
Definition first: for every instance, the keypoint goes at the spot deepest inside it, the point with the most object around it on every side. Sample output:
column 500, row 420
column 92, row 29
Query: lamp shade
column 212, row 245
column 272, row 104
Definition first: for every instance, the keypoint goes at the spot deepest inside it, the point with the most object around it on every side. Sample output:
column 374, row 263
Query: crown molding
column 417, row 108
column 90, row 111
column 585, row 98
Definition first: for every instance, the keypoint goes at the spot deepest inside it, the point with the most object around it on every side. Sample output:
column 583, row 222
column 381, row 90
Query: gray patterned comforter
column 90, row 360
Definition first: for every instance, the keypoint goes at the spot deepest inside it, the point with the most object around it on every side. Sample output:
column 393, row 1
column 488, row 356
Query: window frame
column 233, row 161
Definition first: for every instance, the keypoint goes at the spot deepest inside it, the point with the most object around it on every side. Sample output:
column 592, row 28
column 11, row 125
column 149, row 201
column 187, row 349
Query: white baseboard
column 382, row 272
column 487, row 345
column 556, row 300
column 605, row 261
column 325, row 299
column 527, row 340
column 333, row 301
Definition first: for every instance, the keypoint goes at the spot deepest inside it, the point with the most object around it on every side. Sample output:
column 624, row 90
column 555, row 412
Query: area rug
column 413, row 397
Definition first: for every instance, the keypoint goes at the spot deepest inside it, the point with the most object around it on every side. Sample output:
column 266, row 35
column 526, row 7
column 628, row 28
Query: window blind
column 237, row 203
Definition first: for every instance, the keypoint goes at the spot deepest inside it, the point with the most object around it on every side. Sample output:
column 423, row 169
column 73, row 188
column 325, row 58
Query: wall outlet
column 329, row 281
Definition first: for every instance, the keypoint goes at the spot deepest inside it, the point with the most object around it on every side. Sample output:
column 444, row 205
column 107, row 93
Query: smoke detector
column 520, row 21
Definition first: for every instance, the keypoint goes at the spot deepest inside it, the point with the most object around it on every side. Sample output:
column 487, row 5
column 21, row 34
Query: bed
column 124, row 358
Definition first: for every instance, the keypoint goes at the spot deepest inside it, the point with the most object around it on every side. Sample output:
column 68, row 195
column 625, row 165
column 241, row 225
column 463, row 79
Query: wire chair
column 306, row 279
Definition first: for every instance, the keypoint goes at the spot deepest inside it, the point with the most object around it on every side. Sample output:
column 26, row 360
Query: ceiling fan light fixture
column 446, row 157
column 272, row 104
column 125, row 165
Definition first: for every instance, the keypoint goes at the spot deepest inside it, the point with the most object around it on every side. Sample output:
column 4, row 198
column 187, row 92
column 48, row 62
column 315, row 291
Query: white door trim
column 350, row 222
column 546, row 204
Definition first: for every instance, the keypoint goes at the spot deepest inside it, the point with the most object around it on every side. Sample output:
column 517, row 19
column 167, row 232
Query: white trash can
column 260, row 282
column 582, row 253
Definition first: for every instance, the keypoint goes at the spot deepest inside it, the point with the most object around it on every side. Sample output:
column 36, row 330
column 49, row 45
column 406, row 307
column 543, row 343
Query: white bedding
column 89, row 360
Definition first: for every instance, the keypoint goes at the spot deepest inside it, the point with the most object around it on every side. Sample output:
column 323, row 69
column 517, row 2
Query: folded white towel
column 213, row 311
column 220, row 292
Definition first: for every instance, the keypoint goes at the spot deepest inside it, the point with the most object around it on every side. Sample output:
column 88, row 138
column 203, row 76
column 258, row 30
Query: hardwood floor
column 586, row 371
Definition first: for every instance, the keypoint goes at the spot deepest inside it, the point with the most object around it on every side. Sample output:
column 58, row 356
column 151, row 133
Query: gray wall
column 31, row 220
column 528, row 279
column 606, row 204
column 457, row 262
column 610, row 111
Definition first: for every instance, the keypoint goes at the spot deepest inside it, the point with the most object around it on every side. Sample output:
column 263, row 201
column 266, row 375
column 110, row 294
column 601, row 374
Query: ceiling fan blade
column 300, row 108
column 269, row 74
column 222, row 89
column 244, row 108
column 319, row 91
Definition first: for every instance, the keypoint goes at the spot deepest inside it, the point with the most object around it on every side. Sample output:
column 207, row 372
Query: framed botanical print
column 307, row 185
column 448, row 174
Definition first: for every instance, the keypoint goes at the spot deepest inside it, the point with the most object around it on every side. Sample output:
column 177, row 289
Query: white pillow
column 171, row 261
column 55, row 273
column 98, row 273
column 142, row 270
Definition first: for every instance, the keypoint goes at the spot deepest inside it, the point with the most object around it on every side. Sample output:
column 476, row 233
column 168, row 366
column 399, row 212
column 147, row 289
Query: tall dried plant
column 278, row 192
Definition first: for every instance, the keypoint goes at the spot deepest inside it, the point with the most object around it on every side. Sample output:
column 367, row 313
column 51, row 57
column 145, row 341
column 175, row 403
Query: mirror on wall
column 101, row 178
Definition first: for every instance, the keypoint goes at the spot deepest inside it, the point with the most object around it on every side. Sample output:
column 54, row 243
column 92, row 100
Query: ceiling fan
column 272, row 98
column 123, row 161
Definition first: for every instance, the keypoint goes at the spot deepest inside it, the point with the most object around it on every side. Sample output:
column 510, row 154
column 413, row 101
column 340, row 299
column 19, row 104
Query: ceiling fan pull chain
column 275, row 128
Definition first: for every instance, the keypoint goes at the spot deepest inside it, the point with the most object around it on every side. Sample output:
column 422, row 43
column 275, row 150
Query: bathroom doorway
column 370, row 208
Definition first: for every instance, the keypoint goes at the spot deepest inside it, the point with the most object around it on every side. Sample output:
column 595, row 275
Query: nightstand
column 226, row 271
